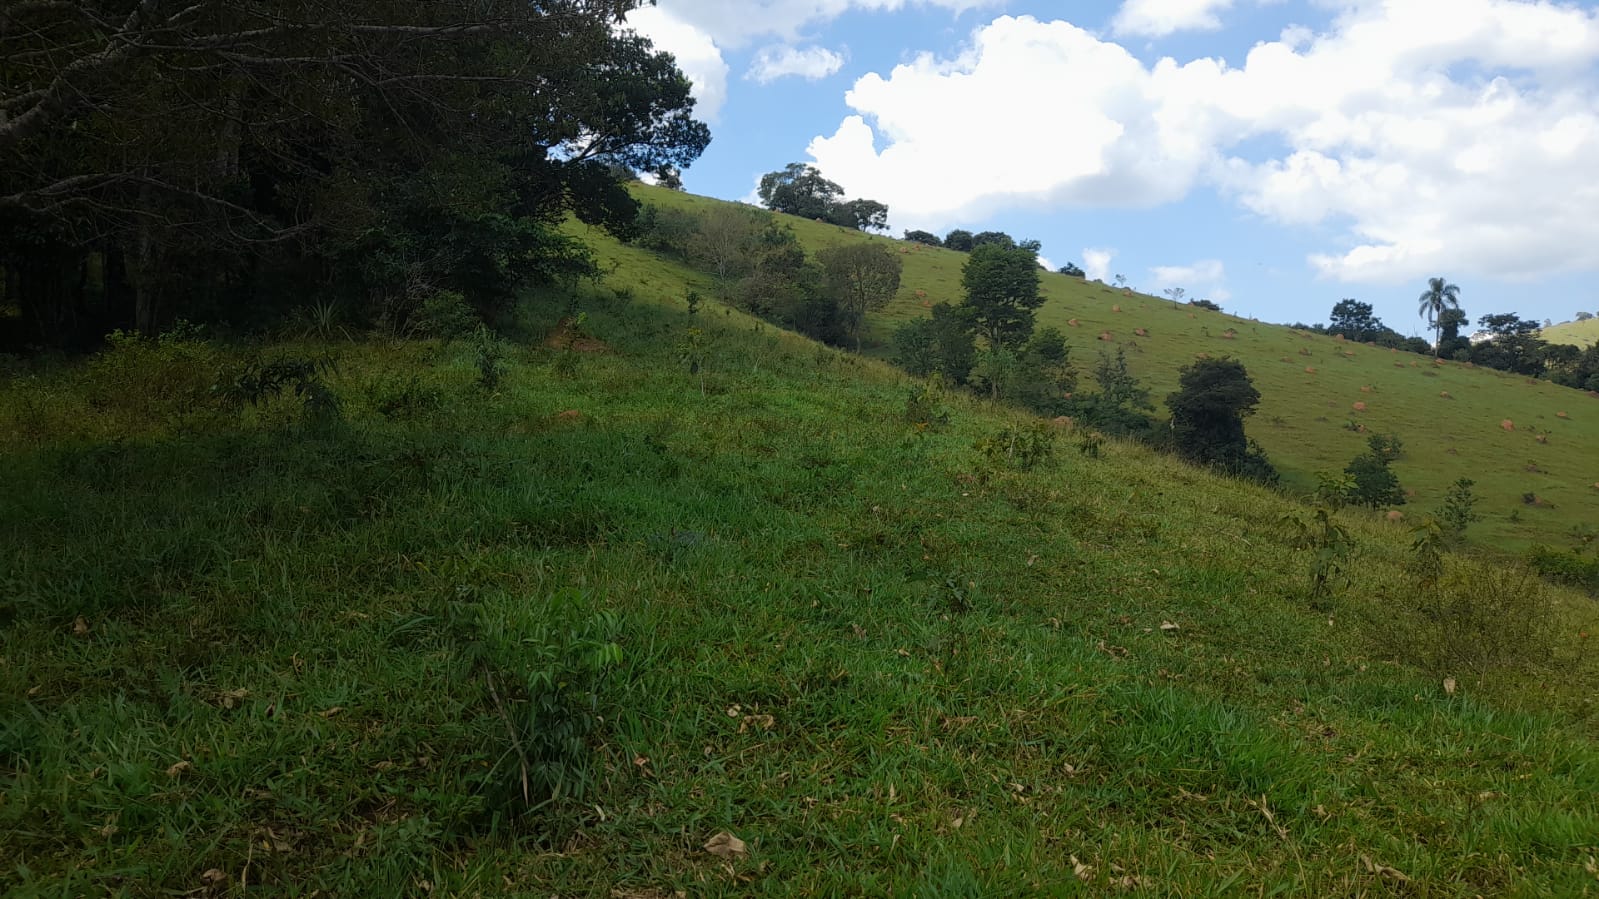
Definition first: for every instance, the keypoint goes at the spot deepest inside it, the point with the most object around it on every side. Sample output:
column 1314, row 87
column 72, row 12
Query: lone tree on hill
column 1207, row 418
column 1354, row 320
column 860, row 276
column 1438, row 296
column 1001, row 293
column 799, row 189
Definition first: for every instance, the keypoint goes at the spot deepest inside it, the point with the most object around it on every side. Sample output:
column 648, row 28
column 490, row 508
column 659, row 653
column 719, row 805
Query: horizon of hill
column 1530, row 446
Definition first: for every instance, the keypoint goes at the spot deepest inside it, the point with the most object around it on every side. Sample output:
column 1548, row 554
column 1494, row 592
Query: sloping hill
column 1582, row 334
column 747, row 630
column 1535, row 479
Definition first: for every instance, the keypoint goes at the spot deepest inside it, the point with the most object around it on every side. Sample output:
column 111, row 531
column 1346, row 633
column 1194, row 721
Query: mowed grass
column 1534, row 483
column 1582, row 333
column 244, row 656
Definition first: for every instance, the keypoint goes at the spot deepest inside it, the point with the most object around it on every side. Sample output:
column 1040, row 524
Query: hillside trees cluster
column 214, row 160
column 761, row 267
column 799, row 189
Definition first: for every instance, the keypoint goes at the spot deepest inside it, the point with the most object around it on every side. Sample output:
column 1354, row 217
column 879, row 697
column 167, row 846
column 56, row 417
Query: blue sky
column 1274, row 155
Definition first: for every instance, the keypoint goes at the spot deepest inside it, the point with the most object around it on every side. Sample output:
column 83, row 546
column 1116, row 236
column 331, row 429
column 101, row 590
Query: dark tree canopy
column 1070, row 269
column 862, row 215
column 924, row 237
column 1207, row 417
column 860, row 277
column 1439, row 296
column 1001, row 293
column 1355, row 321
column 212, row 157
column 959, row 239
column 942, row 343
column 799, row 189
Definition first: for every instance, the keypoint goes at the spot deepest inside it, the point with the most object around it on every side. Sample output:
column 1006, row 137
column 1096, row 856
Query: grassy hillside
column 244, row 651
column 1449, row 416
column 1581, row 334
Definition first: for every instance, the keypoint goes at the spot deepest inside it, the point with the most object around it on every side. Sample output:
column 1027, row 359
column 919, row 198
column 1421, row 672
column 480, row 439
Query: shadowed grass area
column 242, row 651
column 1448, row 414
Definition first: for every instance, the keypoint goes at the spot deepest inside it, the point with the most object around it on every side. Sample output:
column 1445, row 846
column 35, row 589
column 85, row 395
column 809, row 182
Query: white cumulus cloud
column 1096, row 263
column 1158, row 18
column 1423, row 139
column 1204, row 279
column 810, row 63
column 735, row 23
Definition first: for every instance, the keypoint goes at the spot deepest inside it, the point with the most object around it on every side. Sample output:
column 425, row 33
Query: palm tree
column 1438, row 296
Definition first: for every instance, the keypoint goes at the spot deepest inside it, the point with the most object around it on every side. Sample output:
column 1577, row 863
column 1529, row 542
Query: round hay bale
column 1360, row 407
column 1507, row 425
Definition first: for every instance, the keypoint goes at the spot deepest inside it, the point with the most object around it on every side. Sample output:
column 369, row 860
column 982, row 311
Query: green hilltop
column 1583, row 333
column 1535, row 482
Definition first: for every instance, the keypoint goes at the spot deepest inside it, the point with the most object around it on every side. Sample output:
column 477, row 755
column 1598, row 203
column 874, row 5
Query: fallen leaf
column 1449, row 686
column 179, row 768
column 764, row 722
column 329, row 713
column 1083, row 872
column 1383, row 870
column 213, row 876
column 1168, row 627
column 725, row 845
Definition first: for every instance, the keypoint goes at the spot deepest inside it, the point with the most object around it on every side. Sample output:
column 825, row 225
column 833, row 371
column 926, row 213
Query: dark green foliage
column 1038, row 376
column 1439, row 297
column 1207, row 418
column 488, row 355
column 1330, row 548
column 1373, row 483
column 1355, row 321
column 446, row 315
column 1022, row 447
column 785, row 286
column 860, row 277
column 249, row 155
column 547, row 672
column 1572, row 568
column 1205, row 304
column 924, row 404
column 1458, row 509
column 1071, row 269
column 258, row 382
column 924, row 237
column 959, row 239
column 1122, row 406
column 1001, row 284
column 799, row 189
column 862, row 215
column 941, row 343
column 666, row 230
column 998, row 238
